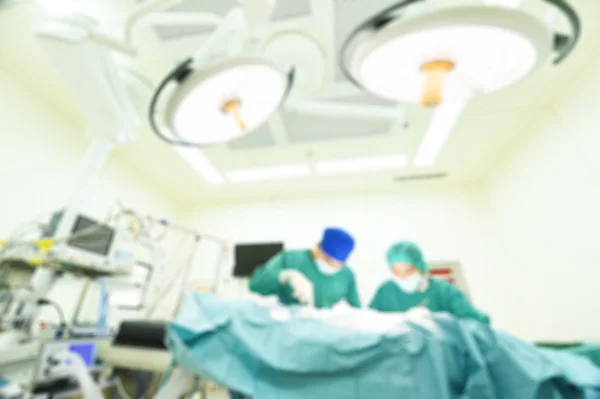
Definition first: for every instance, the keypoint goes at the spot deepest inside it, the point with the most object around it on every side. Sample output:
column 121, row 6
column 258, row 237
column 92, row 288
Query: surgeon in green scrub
column 410, row 287
column 317, row 277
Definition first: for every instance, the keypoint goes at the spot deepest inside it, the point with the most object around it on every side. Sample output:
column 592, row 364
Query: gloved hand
column 419, row 312
column 342, row 305
column 301, row 286
column 422, row 316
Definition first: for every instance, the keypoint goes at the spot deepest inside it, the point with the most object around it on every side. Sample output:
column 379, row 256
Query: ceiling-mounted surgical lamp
column 206, row 105
column 452, row 53
column 444, row 58
column 202, row 103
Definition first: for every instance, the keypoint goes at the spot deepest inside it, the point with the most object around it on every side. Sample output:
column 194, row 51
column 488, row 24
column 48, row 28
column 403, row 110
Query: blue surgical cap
column 407, row 252
column 337, row 244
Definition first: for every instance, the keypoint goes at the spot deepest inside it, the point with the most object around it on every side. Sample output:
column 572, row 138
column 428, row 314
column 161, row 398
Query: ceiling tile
column 172, row 32
column 260, row 138
column 290, row 9
column 303, row 128
column 220, row 7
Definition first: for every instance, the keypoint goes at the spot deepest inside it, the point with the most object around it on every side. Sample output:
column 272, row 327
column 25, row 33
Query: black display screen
column 91, row 236
column 250, row 256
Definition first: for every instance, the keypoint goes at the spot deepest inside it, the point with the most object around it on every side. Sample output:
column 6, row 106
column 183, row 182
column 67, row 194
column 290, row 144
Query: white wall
column 40, row 152
column 545, row 205
column 447, row 225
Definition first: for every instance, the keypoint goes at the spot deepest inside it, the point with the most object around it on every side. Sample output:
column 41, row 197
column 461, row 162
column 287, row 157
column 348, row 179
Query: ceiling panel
column 289, row 9
column 171, row 32
column 304, row 128
column 220, row 7
column 261, row 138
column 364, row 99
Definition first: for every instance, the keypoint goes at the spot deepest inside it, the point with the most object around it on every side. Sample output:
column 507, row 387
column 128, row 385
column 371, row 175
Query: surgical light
column 358, row 165
column 451, row 55
column 198, row 106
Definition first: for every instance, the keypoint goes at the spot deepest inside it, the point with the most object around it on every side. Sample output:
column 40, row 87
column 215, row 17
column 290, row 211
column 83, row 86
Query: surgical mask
column 411, row 284
column 325, row 268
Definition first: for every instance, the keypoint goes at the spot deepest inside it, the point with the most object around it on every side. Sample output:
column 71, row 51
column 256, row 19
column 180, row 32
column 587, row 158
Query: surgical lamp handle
column 187, row 230
column 140, row 13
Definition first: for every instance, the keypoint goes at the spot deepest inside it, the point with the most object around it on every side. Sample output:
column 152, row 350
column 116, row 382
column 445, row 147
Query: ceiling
column 483, row 134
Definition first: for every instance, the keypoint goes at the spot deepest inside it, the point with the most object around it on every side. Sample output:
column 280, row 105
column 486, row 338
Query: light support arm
column 89, row 71
column 258, row 15
column 113, row 44
column 135, row 17
column 231, row 26
column 185, row 18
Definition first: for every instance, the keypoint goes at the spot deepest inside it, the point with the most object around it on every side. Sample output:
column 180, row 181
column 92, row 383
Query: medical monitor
column 250, row 256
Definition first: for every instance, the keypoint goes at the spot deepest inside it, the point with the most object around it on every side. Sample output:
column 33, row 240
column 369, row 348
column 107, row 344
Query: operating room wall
column 544, row 200
column 40, row 153
column 447, row 225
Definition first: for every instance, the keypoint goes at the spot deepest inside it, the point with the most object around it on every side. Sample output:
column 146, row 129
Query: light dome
column 451, row 54
column 217, row 103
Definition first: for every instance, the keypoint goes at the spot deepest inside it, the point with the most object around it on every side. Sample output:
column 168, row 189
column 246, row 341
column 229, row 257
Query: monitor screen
column 250, row 256
column 91, row 236
column 86, row 350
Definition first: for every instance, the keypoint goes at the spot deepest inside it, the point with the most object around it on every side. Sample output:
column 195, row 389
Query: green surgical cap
column 407, row 252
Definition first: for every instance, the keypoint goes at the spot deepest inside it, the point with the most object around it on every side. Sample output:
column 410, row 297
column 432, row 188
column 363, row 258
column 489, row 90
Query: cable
column 7, row 297
column 56, row 306
column 135, row 222
column 152, row 224
column 161, row 291
column 81, row 233
column 152, row 385
column 121, row 389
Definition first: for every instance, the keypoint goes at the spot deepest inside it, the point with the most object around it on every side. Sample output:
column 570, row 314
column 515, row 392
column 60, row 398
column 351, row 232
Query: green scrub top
column 440, row 296
column 328, row 289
